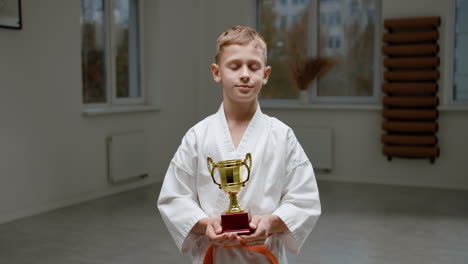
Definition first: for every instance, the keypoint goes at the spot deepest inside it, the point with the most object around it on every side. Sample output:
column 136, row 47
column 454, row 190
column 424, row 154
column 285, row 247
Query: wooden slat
column 411, row 63
column 411, row 75
column 410, row 127
column 409, row 140
column 411, row 152
column 410, row 88
column 410, row 114
column 410, row 101
column 410, row 37
column 412, row 23
column 410, row 50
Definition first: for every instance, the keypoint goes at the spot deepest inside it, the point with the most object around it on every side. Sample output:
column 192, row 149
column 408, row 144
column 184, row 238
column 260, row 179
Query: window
column 334, row 42
column 330, row 18
column 296, row 19
column 354, row 6
column 460, row 89
column 344, row 30
column 110, row 52
column 283, row 22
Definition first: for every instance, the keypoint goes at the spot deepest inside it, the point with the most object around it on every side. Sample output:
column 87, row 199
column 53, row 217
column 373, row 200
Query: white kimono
column 282, row 182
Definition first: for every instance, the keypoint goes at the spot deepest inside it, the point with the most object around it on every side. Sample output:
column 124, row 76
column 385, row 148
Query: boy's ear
column 266, row 74
column 215, row 72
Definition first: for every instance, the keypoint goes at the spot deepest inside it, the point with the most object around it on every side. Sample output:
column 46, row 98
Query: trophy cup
column 235, row 219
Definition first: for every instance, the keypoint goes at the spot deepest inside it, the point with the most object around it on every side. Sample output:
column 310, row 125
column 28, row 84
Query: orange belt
column 259, row 249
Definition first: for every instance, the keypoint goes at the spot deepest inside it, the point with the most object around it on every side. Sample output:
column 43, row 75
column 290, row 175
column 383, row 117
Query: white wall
column 51, row 156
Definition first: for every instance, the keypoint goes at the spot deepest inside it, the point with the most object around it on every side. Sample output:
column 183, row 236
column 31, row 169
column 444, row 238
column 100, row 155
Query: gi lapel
column 247, row 142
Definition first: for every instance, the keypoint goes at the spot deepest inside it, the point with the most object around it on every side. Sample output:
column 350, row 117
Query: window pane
column 92, row 51
column 461, row 59
column 462, row 16
column 282, row 26
column 347, row 31
column 125, row 26
column 461, row 53
column 461, row 83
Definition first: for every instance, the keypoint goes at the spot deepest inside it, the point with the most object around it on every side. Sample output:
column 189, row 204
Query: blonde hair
column 240, row 35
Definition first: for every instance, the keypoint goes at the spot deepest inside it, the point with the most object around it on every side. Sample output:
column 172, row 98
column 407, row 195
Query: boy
column 281, row 196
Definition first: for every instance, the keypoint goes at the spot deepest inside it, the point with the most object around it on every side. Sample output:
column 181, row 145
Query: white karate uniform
column 282, row 182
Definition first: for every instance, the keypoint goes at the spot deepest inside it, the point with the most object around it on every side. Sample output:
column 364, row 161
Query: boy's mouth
column 243, row 86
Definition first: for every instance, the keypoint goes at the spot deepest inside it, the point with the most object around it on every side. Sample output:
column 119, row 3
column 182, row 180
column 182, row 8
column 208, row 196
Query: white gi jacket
column 282, row 182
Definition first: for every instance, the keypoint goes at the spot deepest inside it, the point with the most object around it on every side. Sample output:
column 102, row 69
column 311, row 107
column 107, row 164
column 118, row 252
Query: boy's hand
column 264, row 226
column 213, row 231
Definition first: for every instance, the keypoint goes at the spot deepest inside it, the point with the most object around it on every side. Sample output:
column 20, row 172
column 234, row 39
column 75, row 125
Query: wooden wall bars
column 410, row 89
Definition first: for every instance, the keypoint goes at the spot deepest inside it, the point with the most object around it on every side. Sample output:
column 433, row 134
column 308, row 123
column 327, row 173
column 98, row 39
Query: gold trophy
column 234, row 220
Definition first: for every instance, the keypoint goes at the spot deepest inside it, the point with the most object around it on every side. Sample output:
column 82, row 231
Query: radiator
column 127, row 157
column 318, row 145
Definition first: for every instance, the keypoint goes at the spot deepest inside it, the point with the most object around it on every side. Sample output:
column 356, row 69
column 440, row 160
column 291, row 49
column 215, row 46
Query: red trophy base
column 236, row 223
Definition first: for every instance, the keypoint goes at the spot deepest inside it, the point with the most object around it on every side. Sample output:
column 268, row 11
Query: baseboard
column 80, row 198
column 389, row 183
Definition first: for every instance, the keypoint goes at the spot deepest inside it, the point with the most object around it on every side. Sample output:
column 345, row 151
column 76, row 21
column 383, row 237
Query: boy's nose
column 245, row 74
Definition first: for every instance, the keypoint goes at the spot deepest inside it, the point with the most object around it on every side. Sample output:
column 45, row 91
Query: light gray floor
column 361, row 223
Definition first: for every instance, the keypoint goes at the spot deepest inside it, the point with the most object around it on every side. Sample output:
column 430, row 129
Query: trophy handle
column 211, row 168
column 248, row 158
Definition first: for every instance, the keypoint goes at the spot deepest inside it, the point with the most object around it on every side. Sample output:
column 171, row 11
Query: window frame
column 314, row 23
column 112, row 101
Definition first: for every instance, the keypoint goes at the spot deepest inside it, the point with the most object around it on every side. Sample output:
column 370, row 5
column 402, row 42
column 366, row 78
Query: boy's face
column 241, row 71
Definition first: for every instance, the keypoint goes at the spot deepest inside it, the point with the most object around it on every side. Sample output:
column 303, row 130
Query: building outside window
column 110, row 52
column 345, row 30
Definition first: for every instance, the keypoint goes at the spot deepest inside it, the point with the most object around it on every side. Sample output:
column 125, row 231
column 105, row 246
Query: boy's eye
column 233, row 66
column 254, row 67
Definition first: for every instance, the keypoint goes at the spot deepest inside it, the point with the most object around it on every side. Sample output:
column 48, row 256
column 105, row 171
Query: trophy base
column 236, row 223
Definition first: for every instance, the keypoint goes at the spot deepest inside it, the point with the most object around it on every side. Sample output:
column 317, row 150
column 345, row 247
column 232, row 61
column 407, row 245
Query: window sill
column 358, row 107
column 98, row 111
column 453, row 108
